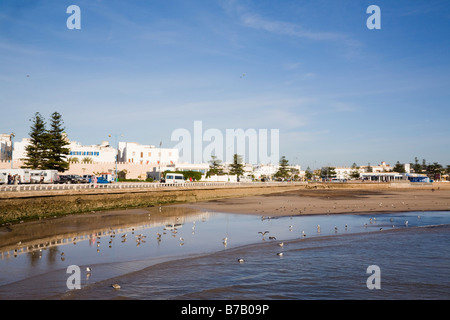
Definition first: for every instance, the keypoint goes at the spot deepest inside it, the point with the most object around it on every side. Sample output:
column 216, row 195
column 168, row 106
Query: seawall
column 22, row 206
column 17, row 207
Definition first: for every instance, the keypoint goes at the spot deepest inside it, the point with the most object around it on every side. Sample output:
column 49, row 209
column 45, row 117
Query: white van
column 174, row 178
column 3, row 178
column 47, row 176
column 22, row 174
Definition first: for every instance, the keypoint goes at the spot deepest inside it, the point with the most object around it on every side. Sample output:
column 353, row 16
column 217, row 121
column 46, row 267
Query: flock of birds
column 173, row 231
column 303, row 234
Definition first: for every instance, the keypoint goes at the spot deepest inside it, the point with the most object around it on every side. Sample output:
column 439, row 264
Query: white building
column 19, row 152
column 94, row 153
column 5, row 147
column 268, row 170
column 146, row 154
column 157, row 171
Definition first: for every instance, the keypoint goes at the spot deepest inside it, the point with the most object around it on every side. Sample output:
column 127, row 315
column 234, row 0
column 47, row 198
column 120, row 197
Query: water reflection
column 35, row 238
column 124, row 241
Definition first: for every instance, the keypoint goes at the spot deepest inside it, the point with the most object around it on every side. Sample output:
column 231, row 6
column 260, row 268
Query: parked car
column 102, row 180
column 72, row 178
column 65, row 179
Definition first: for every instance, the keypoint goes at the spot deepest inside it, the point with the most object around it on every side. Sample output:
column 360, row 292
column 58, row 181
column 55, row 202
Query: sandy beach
column 333, row 201
column 35, row 254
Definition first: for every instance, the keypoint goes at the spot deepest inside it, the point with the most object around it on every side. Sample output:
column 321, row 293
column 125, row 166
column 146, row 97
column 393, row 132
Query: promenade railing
column 131, row 185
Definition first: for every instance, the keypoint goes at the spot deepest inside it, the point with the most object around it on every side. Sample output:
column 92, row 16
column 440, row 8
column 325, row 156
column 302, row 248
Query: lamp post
column 159, row 170
column 117, row 156
column 12, row 135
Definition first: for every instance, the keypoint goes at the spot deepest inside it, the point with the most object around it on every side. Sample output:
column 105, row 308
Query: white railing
column 134, row 185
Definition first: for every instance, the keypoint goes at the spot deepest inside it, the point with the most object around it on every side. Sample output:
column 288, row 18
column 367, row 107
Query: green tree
column 195, row 175
column 354, row 174
column 87, row 160
column 215, row 167
column 283, row 171
column 435, row 170
column 57, row 151
column 308, row 174
column 36, row 150
column 328, row 172
column 400, row 168
column 416, row 166
column 237, row 168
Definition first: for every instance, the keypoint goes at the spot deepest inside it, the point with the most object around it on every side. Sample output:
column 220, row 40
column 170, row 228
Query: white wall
column 146, row 154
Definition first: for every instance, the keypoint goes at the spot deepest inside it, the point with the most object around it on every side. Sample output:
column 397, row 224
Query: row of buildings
column 137, row 161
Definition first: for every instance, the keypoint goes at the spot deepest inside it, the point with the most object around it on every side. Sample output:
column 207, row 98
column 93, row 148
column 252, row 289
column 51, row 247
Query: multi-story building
column 133, row 152
column 102, row 152
column 78, row 153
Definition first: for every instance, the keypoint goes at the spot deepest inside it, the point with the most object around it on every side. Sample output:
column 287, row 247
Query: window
column 142, row 154
column 149, row 154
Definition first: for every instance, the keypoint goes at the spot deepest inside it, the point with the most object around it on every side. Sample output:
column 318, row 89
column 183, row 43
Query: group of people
column 14, row 179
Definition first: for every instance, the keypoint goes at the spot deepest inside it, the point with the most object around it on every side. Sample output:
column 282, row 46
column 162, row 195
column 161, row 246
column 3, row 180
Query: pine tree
column 237, row 167
column 56, row 145
column 36, row 150
column 215, row 167
column 283, row 171
column 400, row 168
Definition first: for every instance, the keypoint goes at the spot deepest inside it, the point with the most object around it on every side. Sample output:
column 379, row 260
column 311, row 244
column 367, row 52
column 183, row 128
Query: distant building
column 77, row 152
column 102, row 152
column 157, row 171
column 5, row 147
column 133, row 152
column 19, row 152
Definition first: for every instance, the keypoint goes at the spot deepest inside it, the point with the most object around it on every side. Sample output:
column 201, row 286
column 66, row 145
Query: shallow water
column 191, row 261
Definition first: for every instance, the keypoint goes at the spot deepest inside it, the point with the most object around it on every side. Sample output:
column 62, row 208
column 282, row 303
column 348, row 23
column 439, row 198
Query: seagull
column 280, row 254
column 263, row 234
column 272, row 238
column 281, row 244
column 88, row 269
column 115, row 286
column 240, row 260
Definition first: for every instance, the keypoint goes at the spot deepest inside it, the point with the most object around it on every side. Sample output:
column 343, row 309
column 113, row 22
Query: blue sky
column 339, row 92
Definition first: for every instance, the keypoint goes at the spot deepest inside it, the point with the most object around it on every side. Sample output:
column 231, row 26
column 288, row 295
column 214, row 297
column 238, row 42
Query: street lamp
column 12, row 135
column 159, row 170
column 117, row 156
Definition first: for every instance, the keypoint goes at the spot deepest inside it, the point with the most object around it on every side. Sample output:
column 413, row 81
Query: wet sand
column 333, row 201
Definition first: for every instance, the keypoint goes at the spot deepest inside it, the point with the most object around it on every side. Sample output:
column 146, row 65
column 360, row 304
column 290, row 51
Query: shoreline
column 264, row 200
column 331, row 201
